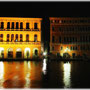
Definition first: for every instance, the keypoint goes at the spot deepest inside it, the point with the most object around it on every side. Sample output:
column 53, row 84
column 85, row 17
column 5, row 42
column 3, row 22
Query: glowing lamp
column 44, row 53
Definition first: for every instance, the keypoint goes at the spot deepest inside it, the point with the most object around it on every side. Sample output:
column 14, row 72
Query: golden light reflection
column 44, row 66
column 67, row 71
column 27, row 74
column 1, row 74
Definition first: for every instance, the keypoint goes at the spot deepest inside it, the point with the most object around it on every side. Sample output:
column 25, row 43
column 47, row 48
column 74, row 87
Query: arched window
column 10, row 53
column 35, row 26
column 16, row 38
column 21, row 38
column 36, row 52
column 18, row 53
column 2, row 25
column 8, row 25
column 27, row 25
column 35, row 38
column 12, row 37
column 27, row 37
column 8, row 37
column 17, row 25
column 1, row 37
column 12, row 25
column 21, row 25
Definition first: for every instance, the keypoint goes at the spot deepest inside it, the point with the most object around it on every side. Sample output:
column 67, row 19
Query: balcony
column 22, row 43
column 19, row 29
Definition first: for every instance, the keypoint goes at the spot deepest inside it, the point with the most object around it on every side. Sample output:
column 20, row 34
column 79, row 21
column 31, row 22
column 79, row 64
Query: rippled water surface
column 44, row 74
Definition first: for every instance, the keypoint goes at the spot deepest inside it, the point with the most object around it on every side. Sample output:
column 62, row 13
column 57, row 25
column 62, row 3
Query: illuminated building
column 20, row 37
column 70, row 36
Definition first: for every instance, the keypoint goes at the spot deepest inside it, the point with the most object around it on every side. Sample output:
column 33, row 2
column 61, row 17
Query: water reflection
column 27, row 74
column 44, row 66
column 1, row 74
column 67, row 71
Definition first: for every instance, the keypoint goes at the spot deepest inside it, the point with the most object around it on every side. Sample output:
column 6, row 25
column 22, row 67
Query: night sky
column 45, row 10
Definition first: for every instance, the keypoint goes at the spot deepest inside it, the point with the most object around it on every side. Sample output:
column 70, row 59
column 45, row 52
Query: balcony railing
column 22, row 43
column 19, row 29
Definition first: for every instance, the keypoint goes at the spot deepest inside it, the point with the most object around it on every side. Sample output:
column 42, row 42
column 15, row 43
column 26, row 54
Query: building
column 70, row 36
column 20, row 37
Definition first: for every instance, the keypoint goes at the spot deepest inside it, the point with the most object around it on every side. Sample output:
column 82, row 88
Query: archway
column 27, row 53
column 18, row 53
column 35, row 52
column 66, row 55
column 10, row 53
column 1, row 52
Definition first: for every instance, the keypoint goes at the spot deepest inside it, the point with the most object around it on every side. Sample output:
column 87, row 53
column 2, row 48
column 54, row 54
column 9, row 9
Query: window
column 53, row 28
column 27, row 25
column 2, row 25
column 21, row 25
column 16, row 38
column 60, row 28
column 59, row 39
column 64, row 39
column 21, row 38
column 1, row 37
column 12, row 37
column 53, row 39
column 12, row 25
column 17, row 25
column 35, row 38
column 35, row 26
column 51, row 21
column 8, row 37
column 61, row 48
column 71, row 48
column 27, row 38
column 52, row 48
column 36, row 52
column 8, row 25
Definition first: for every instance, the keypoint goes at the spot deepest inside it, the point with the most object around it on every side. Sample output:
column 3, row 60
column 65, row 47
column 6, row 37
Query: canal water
column 44, row 74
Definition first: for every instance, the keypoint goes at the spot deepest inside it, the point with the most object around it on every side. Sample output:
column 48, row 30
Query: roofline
column 50, row 18
column 20, row 18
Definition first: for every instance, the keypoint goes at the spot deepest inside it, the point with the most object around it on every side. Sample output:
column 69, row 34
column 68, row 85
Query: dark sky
column 45, row 10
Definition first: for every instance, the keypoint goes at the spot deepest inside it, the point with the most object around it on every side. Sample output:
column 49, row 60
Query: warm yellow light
column 1, row 74
column 27, row 74
column 67, row 49
column 45, row 53
column 1, row 50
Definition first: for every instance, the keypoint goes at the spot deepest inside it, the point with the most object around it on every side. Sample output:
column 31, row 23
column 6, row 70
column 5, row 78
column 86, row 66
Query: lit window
column 16, row 38
column 60, row 21
column 35, row 38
